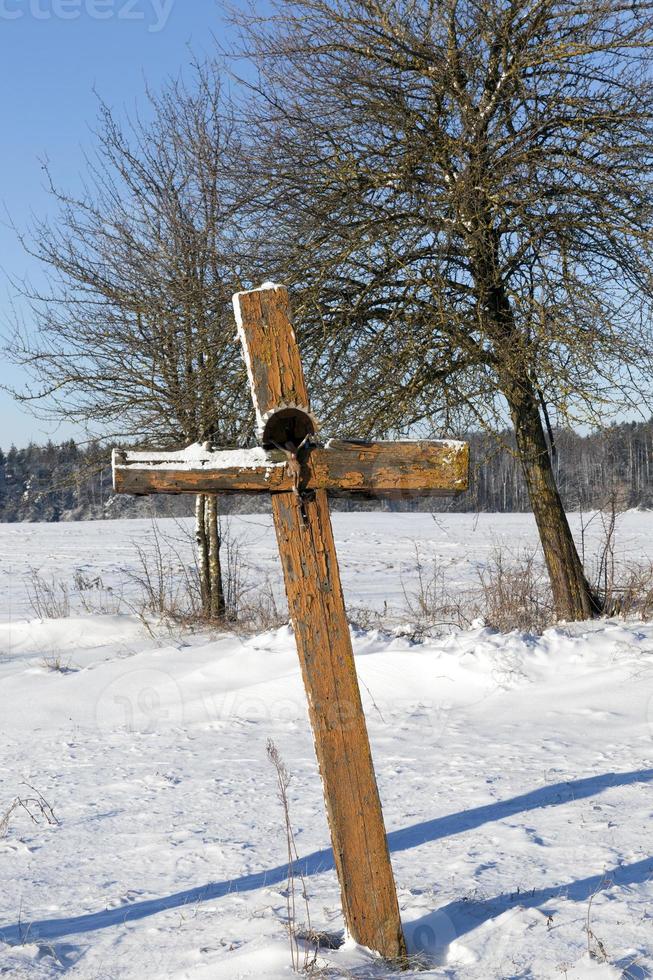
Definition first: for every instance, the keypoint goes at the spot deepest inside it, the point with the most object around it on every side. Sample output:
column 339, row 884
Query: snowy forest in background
column 70, row 482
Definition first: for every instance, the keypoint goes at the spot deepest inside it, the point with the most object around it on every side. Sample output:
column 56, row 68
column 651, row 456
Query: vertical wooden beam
column 319, row 619
column 270, row 351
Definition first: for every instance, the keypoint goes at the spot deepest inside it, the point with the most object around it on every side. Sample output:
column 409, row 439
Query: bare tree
column 461, row 191
column 133, row 336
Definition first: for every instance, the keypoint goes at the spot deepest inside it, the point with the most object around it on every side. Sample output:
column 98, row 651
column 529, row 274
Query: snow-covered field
column 516, row 773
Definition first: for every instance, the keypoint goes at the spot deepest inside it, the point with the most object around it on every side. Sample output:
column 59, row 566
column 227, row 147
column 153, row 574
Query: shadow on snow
column 433, row 933
column 457, row 914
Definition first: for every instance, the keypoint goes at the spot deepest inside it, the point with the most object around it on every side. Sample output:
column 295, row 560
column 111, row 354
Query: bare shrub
column 366, row 618
column 429, row 604
column 515, row 593
column 632, row 591
column 260, row 610
column 606, row 562
column 305, row 933
column 625, row 588
column 603, row 565
column 56, row 663
column 169, row 588
column 95, row 597
column 35, row 806
column 248, row 607
column 48, row 598
column 232, row 571
column 253, row 607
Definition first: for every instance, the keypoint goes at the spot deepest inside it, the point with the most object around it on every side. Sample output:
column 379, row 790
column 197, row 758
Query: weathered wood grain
column 344, row 469
column 270, row 350
column 312, row 579
column 342, row 747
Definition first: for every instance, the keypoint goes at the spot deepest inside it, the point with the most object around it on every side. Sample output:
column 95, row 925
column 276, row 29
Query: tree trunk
column 217, row 601
column 572, row 594
column 202, row 543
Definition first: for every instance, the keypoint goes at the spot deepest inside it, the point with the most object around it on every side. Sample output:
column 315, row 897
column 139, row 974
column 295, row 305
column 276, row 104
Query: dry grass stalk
column 48, row 598
column 35, row 806
column 307, row 962
column 429, row 605
column 56, row 663
column 56, row 599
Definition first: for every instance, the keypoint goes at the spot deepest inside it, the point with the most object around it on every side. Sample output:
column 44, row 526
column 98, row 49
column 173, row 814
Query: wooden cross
column 299, row 481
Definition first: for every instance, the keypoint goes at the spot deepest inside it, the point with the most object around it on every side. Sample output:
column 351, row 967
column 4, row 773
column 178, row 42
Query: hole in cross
column 287, row 425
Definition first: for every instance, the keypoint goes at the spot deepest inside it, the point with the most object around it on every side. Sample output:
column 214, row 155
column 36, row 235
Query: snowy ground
column 516, row 775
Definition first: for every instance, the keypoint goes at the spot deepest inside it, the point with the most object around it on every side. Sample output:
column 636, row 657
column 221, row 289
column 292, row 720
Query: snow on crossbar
column 343, row 468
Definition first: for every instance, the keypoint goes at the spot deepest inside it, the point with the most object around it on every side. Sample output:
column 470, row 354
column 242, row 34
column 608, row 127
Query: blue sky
column 53, row 54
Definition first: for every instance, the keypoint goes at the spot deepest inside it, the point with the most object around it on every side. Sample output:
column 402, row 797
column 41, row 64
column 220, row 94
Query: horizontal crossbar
column 373, row 469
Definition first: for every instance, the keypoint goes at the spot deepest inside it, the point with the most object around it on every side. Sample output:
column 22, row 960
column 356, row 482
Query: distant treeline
column 591, row 470
column 65, row 481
